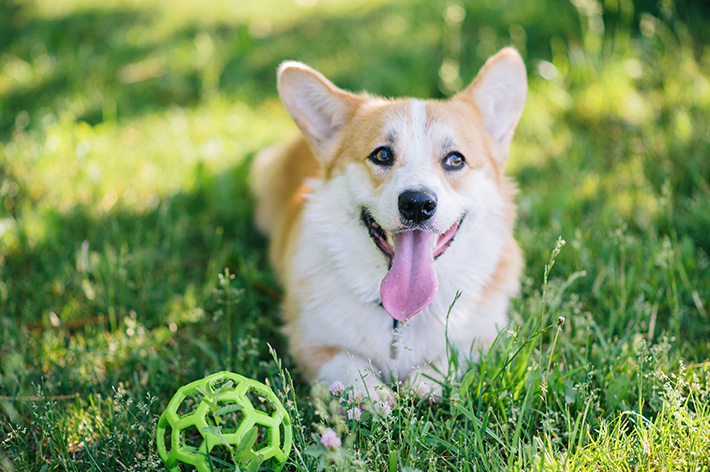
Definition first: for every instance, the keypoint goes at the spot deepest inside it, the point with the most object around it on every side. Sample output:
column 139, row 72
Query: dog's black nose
column 416, row 205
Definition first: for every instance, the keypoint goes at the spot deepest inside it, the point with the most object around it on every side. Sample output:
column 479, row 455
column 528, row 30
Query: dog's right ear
column 317, row 106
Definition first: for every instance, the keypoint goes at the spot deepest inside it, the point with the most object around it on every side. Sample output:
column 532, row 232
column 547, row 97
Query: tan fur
column 312, row 358
column 506, row 276
column 279, row 183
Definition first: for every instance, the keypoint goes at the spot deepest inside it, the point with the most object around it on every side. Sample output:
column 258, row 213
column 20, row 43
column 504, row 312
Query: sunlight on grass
column 262, row 16
column 139, row 159
column 677, row 438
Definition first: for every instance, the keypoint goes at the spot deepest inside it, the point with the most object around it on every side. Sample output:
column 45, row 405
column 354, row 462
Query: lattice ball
column 223, row 410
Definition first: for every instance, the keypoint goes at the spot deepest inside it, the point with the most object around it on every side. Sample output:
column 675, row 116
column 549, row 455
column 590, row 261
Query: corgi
column 383, row 212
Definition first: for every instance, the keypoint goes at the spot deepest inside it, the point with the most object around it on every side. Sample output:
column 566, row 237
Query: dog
column 381, row 214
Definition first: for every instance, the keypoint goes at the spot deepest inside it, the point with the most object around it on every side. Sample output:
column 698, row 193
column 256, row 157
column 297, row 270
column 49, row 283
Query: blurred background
column 127, row 127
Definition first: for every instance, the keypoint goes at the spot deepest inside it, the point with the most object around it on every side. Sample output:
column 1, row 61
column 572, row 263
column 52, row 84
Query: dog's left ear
column 317, row 106
column 499, row 93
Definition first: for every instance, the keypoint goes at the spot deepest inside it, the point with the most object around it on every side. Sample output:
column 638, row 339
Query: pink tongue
column 411, row 283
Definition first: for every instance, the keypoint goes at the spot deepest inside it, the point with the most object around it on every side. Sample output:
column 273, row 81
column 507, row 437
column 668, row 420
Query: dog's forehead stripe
column 418, row 111
column 418, row 140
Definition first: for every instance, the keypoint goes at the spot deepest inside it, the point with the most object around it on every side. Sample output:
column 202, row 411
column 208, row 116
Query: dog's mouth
column 411, row 283
column 379, row 236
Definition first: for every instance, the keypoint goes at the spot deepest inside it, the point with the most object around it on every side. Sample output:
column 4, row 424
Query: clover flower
column 354, row 414
column 383, row 408
column 330, row 439
column 354, row 397
column 336, row 387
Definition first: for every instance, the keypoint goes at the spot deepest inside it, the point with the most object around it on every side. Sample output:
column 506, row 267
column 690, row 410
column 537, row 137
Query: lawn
column 129, row 265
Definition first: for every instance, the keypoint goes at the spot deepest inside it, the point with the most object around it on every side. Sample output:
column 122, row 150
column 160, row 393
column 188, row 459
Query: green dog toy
column 228, row 410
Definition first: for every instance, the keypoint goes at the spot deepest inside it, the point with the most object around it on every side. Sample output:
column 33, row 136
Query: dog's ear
column 499, row 93
column 317, row 106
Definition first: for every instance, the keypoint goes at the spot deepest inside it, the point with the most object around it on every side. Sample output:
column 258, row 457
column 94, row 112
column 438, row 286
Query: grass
column 129, row 266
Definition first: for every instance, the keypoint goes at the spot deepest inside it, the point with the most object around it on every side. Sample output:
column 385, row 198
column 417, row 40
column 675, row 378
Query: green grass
column 126, row 132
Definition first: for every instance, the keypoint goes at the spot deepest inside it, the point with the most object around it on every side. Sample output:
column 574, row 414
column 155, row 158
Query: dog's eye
column 382, row 156
column 454, row 161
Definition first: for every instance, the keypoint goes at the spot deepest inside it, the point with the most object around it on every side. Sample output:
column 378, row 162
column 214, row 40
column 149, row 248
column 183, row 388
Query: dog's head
column 414, row 169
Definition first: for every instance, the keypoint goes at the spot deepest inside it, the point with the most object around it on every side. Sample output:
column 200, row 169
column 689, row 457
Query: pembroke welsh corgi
column 380, row 213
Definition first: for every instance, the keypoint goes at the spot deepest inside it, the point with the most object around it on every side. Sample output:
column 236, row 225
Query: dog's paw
column 350, row 370
column 382, row 393
column 423, row 384
column 428, row 389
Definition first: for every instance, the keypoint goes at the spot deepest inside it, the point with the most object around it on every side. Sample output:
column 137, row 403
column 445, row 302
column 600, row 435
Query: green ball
column 225, row 411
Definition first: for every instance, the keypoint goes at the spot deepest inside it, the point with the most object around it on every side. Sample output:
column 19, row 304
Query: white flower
column 330, row 439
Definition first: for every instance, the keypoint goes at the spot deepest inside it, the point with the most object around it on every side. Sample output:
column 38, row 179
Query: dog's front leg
column 426, row 379
column 355, row 370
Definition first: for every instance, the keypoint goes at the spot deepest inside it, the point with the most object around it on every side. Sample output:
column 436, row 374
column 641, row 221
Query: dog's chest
column 340, row 306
